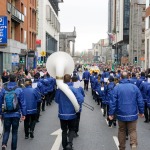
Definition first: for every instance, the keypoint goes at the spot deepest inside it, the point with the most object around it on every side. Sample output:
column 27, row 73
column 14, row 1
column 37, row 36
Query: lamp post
column 117, row 48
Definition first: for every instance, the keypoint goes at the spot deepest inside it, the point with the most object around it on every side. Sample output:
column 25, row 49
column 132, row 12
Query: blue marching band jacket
column 27, row 97
column 108, row 93
column 66, row 110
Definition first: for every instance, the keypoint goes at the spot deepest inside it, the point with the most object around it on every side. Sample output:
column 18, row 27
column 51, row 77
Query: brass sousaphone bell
column 58, row 64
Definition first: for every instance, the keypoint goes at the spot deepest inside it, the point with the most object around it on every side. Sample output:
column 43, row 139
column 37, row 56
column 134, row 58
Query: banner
column 3, row 30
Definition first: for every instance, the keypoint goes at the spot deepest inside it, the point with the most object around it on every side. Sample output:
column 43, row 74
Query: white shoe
column 133, row 147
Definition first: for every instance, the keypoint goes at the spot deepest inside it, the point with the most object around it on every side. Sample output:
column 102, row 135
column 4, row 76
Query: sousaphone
column 58, row 64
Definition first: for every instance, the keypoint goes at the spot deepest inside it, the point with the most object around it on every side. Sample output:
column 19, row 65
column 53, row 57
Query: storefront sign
column 3, row 30
column 15, row 58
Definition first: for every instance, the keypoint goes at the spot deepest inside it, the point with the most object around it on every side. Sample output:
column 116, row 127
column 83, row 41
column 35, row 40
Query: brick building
column 21, row 34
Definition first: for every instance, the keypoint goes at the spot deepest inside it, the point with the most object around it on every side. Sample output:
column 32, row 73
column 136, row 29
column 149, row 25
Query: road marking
column 116, row 141
column 1, row 129
column 114, row 137
column 106, row 121
column 58, row 140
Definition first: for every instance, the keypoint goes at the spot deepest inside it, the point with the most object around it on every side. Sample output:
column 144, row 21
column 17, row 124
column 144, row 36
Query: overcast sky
column 90, row 17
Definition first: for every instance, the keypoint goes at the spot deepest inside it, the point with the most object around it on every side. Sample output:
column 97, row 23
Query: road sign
column 43, row 53
column 3, row 30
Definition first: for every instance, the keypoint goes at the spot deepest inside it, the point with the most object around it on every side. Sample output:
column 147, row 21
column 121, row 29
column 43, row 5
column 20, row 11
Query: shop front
column 31, row 60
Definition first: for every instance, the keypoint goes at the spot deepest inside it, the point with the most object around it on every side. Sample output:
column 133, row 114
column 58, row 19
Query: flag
column 111, row 36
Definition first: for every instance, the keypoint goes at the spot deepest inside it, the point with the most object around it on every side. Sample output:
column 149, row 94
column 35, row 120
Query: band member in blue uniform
column 12, row 112
column 86, row 77
column 67, row 114
column 126, row 103
column 30, row 96
column 76, row 84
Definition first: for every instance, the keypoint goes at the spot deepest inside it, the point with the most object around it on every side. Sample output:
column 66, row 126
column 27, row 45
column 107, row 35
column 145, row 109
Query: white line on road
column 58, row 140
column 114, row 137
column 106, row 121
column 102, row 110
column 116, row 141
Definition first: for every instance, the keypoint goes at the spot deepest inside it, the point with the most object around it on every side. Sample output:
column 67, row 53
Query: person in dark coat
column 67, row 113
column 31, row 98
column 133, row 79
column 5, row 77
column 86, row 78
column 109, row 96
column 141, row 79
column 126, row 103
column 76, row 84
column 12, row 118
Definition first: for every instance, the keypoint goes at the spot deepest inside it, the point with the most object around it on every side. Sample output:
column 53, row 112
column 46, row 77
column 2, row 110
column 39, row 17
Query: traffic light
column 135, row 59
column 42, row 59
column 21, row 60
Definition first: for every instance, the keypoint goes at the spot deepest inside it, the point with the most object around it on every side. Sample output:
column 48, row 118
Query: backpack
column 10, row 100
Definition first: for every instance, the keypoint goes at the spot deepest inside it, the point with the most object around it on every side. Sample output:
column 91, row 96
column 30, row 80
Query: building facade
column 102, row 51
column 64, row 42
column 137, row 33
column 147, row 35
column 119, row 27
column 48, row 27
column 21, row 33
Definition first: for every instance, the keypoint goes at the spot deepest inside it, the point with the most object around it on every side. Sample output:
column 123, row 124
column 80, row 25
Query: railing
column 16, row 14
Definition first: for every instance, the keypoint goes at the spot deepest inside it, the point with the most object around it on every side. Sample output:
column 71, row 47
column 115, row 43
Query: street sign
column 43, row 53
column 3, row 30
column 15, row 58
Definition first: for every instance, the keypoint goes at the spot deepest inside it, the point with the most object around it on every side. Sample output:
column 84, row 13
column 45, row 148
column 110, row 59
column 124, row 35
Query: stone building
column 137, row 33
column 65, row 39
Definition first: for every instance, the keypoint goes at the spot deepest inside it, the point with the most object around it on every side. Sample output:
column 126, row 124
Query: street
column 94, row 133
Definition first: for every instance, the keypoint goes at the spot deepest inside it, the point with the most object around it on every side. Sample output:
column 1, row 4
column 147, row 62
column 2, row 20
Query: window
column 25, row 36
column 51, row 44
column 147, row 53
column 22, row 37
column 126, row 17
column 30, row 17
column 143, row 19
column 143, row 30
column 30, row 42
column 22, row 8
column 25, row 11
column 149, row 22
column 143, row 41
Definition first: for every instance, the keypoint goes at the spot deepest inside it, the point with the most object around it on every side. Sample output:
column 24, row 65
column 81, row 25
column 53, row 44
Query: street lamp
column 117, row 47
